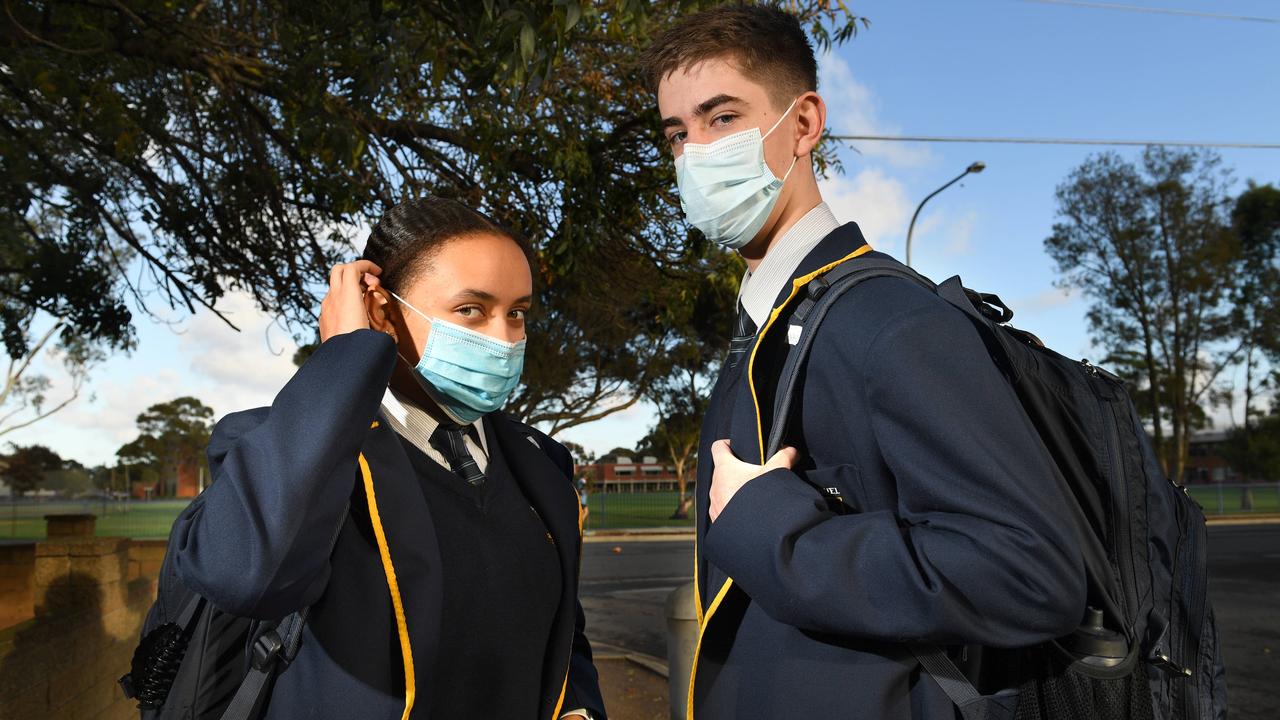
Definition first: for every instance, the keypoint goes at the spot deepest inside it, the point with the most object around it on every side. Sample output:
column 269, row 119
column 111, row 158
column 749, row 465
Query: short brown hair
column 765, row 42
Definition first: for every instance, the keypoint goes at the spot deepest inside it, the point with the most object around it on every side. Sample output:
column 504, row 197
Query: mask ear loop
column 424, row 317
column 794, row 158
column 781, row 118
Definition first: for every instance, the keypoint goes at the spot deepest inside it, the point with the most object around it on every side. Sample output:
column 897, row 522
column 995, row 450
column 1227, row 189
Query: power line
column 1155, row 10
column 1055, row 141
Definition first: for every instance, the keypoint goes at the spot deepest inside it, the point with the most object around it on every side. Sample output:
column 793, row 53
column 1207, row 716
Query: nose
column 500, row 328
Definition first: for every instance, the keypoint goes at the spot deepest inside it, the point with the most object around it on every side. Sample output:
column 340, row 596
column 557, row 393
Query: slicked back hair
column 409, row 234
column 764, row 42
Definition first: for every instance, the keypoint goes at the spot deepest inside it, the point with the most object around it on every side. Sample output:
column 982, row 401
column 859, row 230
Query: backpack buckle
column 266, row 649
column 817, row 287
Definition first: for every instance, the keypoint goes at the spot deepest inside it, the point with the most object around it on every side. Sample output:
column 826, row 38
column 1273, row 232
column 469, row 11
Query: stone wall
column 70, row 613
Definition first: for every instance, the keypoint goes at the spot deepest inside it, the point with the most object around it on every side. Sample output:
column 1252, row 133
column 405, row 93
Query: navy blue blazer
column 948, row 533
column 256, row 542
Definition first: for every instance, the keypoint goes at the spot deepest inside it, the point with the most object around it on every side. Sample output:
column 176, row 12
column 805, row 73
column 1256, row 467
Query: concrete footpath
column 634, row 684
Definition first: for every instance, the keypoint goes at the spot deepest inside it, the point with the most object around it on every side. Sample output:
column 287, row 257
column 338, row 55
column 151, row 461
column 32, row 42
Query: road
column 624, row 592
column 1244, row 584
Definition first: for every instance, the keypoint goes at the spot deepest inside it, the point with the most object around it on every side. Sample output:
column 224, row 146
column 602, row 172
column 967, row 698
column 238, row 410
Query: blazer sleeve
column 583, row 688
column 256, row 542
column 976, row 551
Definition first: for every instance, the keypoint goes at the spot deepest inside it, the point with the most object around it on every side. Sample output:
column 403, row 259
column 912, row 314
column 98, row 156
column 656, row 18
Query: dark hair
column 409, row 234
column 766, row 42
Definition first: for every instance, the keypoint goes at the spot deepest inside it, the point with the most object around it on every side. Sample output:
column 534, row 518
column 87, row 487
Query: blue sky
column 925, row 67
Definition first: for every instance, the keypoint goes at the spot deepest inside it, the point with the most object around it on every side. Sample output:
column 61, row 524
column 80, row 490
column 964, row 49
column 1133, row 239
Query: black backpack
column 196, row 662
column 1147, row 647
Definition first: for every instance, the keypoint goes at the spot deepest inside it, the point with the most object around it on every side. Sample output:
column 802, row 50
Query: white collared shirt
column 416, row 425
column 760, row 289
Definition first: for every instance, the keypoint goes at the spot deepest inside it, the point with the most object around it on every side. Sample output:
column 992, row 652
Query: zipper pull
column 1164, row 662
column 1101, row 372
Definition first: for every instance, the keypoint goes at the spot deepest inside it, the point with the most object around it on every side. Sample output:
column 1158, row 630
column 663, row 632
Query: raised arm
column 256, row 542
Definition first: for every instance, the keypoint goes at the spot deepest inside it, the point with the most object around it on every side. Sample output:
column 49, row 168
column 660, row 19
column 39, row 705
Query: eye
column 675, row 139
column 723, row 120
column 518, row 314
column 470, row 311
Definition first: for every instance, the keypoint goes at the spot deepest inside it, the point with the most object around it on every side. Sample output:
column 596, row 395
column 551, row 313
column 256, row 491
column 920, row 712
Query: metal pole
column 976, row 167
column 682, row 638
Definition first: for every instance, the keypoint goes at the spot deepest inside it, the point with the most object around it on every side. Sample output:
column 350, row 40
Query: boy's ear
column 381, row 311
column 811, row 120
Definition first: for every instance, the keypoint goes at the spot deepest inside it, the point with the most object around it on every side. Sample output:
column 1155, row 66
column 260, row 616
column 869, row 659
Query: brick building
column 619, row 473
column 1205, row 463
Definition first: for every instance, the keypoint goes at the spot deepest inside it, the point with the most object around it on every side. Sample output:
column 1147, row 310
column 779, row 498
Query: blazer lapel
column 414, row 554
column 735, row 416
column 836, row 245
column 552, row 495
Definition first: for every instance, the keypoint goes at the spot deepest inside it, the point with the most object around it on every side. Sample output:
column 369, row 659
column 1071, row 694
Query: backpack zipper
column 1120, row 524
column 1189, row 649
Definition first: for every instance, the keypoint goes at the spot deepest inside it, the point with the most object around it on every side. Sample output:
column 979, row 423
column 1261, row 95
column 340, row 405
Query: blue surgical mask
column 726, row 188
column 468, row 374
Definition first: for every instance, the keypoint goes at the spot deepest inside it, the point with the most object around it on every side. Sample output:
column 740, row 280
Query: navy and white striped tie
column 744, row 335
column 449, row 439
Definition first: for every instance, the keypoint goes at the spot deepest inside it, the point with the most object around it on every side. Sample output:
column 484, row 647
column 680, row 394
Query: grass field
column 135, row 519
column 609, row 511
column 1231, row 499
column 617, row 511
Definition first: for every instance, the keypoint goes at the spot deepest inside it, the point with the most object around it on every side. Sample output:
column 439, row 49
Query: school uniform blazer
column 949, row 532
column 256, row 542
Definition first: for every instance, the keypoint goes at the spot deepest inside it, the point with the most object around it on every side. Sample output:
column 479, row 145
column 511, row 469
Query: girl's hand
column 343, row 310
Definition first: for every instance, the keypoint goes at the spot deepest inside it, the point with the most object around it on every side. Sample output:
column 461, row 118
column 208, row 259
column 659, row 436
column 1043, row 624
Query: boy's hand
column 343, row 309
column 731, row 474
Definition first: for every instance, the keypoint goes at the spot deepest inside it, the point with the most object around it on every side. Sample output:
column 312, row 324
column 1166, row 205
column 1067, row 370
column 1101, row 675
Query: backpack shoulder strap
column 820, row 294
column 273, row 649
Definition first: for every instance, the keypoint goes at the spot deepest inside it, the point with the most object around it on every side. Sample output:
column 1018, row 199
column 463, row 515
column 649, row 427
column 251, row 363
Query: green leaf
column 572, row 14
column 527, row 41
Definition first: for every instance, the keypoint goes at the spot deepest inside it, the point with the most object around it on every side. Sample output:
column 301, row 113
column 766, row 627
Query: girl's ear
column 382, row 312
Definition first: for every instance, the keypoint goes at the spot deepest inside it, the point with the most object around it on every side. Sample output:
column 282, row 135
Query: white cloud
column 1045, row 301
column 112, row 415
column 877, row 202
column 960, row 235
column 241, row 369
column 852, row 110
column 225, row 369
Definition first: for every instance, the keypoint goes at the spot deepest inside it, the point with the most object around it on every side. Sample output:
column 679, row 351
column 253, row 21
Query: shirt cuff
column 580, row 711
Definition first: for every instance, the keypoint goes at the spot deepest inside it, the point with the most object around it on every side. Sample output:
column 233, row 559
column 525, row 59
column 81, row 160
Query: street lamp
column 975, row 168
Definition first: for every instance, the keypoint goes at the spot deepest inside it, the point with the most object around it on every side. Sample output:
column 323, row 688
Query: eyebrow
column 481, row 295
column 704, row 107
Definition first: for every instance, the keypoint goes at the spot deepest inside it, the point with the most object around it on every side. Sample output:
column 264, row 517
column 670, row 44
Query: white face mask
column 726, row 188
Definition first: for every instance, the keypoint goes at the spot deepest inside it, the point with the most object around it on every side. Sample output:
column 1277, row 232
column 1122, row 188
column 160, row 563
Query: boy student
column 948, row 532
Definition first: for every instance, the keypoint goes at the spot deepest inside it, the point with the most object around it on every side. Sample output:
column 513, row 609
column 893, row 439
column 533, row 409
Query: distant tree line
column 1183, row 279
column 171, row 442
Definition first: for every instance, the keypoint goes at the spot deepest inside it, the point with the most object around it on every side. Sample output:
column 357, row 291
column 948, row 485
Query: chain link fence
column 23, row 519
